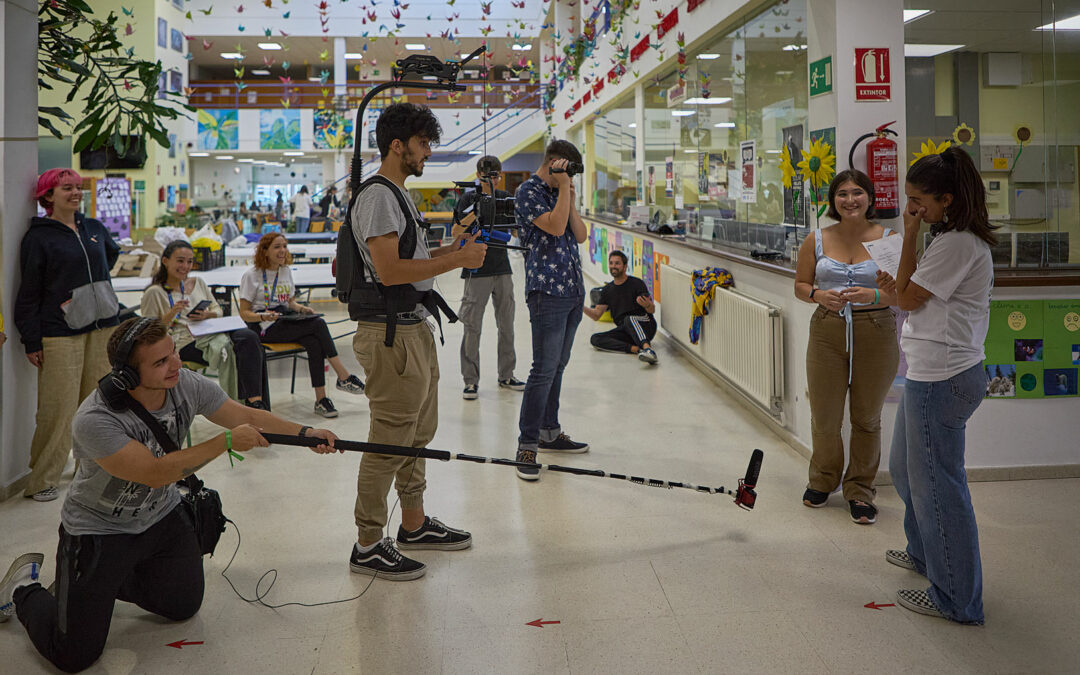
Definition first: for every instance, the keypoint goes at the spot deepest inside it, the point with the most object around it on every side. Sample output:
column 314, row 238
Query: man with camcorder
column 492, row 280
column 551, row 228
column 124, row 533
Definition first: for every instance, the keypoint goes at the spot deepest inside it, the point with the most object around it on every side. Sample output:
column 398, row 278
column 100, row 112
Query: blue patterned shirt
column 552, row 264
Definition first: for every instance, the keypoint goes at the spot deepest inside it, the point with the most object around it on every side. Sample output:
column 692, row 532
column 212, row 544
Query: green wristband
column 228, row 440
column 877, row 296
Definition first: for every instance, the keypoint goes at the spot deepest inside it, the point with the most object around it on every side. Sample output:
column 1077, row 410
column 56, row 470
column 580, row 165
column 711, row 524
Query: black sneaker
column 351, row 385
column 814, row 499
column 470, row 393
column 512, row 383
column 563, row 444
column 527, row 472
column 385, row 561
column 862, row 513
column 434, row 535
column 325, row 408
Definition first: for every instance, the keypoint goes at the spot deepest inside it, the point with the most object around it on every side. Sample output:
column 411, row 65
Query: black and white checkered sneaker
column 386, row 562
column 434, row 535
column 900, row 559
column 918, row 601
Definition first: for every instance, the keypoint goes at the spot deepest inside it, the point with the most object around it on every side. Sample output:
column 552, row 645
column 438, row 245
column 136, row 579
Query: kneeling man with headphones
column 124, row 533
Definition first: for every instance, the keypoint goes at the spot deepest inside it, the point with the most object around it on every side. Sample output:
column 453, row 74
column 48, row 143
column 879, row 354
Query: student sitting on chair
column 176, row 298
column 632, row 310
column 267, row 292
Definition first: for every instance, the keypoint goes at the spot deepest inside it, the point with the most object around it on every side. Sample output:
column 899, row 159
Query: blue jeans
column 554, row 321
column 927, row 467
column 302, row 224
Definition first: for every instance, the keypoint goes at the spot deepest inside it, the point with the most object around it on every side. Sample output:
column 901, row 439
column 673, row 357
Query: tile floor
column 639, row 580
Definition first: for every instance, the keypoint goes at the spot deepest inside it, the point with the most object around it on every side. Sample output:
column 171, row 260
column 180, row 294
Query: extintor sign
column 873, row 78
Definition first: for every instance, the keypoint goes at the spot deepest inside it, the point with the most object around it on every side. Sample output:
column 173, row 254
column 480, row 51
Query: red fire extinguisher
column 881, row 167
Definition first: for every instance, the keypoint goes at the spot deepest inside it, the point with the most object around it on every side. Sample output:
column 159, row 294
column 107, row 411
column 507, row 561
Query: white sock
column 366, row 549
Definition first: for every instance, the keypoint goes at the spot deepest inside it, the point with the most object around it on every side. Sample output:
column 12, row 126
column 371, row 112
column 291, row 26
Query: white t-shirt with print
column 945, row 336
column 265, row 289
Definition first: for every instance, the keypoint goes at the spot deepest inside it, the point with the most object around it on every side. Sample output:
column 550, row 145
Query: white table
column 304, row 276
column 306, row 251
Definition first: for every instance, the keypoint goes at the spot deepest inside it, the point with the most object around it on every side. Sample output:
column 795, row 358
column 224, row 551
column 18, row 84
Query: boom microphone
column 745, row 495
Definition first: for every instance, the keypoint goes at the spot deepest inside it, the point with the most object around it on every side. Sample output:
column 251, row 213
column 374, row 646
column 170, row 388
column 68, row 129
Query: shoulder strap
column 818, row 250
column 406, row 243
column 167, row 444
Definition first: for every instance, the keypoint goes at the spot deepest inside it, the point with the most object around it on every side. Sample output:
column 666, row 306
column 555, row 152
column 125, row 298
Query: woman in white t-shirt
column 267, row 292
column 948, row 296
column 302, row 209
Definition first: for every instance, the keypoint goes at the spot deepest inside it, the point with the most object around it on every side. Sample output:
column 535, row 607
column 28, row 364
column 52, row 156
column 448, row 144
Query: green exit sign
column 821, row 76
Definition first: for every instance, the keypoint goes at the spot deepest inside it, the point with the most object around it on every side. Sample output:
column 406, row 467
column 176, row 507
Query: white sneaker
column 648, row 356
column 23, row 571
column 47, row 495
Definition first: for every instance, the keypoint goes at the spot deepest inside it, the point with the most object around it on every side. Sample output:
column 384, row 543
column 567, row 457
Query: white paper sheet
column 886, row 253
column 220, row 325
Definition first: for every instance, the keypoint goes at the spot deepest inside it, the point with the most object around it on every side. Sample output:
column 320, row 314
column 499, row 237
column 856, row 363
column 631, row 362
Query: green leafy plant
column 84, row 55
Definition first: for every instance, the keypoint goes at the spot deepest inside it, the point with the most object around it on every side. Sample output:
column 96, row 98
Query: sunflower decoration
column 963, row 135
column 1023, row 134
column 787, row 171
column 819, row 164
column 930, row 148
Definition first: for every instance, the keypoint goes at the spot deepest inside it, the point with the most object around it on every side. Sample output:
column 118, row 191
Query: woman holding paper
column 852, row 346
column 182, row 301
column 268, row 304
column 948, row 295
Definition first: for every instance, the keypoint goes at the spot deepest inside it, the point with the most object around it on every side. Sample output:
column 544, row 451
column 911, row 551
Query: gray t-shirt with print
column 100, row 503
column 376, row 212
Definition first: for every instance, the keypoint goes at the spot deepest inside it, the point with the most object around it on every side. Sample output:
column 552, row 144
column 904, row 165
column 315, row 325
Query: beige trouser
column 873, row 368
column 69, row 373
column 403, row 399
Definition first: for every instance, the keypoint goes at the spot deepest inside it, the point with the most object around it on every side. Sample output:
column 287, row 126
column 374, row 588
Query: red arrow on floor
column 874, row 605
column 180, row 644
column 540, row 623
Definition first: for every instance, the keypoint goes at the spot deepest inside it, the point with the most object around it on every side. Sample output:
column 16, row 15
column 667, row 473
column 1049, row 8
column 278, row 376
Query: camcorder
column 572, row 169
column 490, row 216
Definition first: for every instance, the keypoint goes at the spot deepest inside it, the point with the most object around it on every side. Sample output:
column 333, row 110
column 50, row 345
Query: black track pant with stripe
column 633, row 330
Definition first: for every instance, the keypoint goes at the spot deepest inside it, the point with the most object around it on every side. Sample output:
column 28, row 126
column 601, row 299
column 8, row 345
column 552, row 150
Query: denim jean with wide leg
column 554, row 322
column 927, row 467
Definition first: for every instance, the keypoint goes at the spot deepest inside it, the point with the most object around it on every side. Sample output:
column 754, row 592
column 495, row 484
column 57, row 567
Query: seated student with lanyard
column 124, row 534
column 268, row 305
column 181, row 301
column 632, row 310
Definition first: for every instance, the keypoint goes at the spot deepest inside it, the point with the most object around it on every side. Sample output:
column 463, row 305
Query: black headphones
column 123, row 377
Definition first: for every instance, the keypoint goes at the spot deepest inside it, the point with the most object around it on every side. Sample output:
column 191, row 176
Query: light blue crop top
column 834, row 275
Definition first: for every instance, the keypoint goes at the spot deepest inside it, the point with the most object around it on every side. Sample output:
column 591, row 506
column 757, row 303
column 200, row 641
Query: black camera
column 488, row 167
column 572, row 169
column 491, row 211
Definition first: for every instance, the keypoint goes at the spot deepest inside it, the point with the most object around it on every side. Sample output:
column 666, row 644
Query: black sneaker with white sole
column 324, row 407
column 512, row 383
column 563, row 444
column 815, row 499
column 433, row 535
column 386, row 562
column 862, row 513
column 470, row 393
column 527, row 472
column 918, row 601
column 351, row 385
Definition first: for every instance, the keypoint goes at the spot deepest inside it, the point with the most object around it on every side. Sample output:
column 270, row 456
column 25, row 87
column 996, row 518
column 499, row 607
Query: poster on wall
column 1033, row 349
column 332, row 131
column 279, row 129
column 640, row 189
column 828, row 136
column 669, row 176
column 218, row 130
column 371, row 117
column 637, row 259
column 112, row 205
column 748, row 177
column 658, row 260
column 873, row 78
column 603, row 250
column 176, row 40
column 162, row 32
column 703, row 174
column 794, row 214
column 647, row 271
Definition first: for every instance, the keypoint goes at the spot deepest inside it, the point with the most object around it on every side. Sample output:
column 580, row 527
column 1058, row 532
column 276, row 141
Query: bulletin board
column 112, row 204
column 1033, row 349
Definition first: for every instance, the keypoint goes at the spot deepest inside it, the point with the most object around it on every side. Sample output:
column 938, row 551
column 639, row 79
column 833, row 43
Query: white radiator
column 742, row 338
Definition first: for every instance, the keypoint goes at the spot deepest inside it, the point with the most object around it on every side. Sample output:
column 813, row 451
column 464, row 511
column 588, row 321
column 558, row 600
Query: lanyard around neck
column 266, row 290
column 181, row 294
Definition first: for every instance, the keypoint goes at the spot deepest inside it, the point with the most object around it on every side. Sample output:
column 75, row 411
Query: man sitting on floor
column 631, row 307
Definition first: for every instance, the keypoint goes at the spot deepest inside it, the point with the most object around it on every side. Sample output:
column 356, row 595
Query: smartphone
column 202, row 306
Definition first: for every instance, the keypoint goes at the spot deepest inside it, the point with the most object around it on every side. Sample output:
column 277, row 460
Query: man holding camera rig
column 124, row 534
column 395, row 344
column 494, row 281
column 550, row 227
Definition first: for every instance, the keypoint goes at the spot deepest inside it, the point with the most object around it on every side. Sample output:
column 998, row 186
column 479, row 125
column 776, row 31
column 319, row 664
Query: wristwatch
column 812, row 291
column 303, row 431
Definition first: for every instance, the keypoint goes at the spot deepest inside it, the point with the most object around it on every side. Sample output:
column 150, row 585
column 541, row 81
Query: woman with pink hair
column 65, row 311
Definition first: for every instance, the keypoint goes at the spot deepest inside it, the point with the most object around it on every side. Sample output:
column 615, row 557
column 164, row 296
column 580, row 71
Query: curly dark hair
column 402, row 121
column 562, row 150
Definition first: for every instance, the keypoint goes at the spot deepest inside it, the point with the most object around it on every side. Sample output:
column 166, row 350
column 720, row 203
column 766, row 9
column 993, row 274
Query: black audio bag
column 201, row 503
